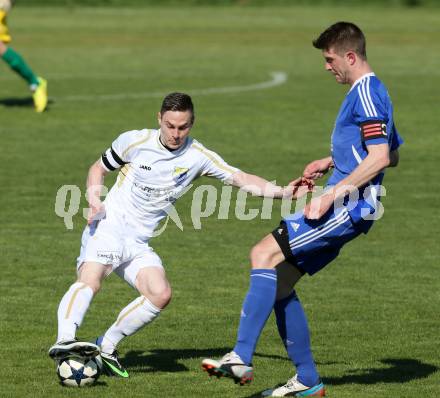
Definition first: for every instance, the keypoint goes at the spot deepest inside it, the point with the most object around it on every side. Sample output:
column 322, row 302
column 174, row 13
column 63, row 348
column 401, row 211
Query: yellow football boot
column 40, row 95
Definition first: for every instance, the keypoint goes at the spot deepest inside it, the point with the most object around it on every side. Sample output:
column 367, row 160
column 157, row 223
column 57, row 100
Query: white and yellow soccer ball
column 5, row 5
column 79, row 372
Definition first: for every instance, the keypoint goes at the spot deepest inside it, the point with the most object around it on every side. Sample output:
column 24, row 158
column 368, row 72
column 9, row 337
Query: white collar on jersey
column 360, row 79
column 177, row 151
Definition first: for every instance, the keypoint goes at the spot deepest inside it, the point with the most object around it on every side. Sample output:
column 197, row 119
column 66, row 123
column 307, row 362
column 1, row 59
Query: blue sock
column 257, row 307
column 293, row 329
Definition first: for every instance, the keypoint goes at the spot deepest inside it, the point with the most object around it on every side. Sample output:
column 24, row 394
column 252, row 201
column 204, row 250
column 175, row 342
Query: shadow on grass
column 286, row 358
column 399, row 371
column 168, row 360
column 25, row 102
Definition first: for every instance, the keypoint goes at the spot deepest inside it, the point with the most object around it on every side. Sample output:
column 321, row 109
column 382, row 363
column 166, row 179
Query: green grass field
column 374, row 313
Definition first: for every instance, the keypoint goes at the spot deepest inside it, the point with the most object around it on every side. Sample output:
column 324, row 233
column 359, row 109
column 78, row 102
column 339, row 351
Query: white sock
column 72, row 308
column 133, row 317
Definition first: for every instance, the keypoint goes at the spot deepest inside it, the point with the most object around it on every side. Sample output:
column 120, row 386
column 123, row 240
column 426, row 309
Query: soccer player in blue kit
column 364, row 142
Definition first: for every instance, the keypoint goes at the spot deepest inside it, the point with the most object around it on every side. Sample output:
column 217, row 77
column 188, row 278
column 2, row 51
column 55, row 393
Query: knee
column 94, row 284
column 259, row 257
column 160, row 296
column 92, row 274
column 164, row 297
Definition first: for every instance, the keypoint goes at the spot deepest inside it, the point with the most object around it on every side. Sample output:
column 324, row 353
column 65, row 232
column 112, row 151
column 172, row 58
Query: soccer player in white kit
column 156, row 167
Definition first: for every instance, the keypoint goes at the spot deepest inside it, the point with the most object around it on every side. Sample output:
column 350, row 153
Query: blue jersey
column 365, row 118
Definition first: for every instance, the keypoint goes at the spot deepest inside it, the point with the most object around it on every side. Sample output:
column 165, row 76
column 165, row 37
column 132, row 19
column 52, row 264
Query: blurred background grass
column 243, row 3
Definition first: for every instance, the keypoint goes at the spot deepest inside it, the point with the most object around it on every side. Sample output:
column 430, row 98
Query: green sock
column 17, row 63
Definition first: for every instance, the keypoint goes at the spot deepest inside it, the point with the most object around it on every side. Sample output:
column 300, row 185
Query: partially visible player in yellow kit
column 37, row 84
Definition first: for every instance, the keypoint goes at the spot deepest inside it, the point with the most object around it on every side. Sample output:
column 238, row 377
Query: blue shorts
column 312, row 244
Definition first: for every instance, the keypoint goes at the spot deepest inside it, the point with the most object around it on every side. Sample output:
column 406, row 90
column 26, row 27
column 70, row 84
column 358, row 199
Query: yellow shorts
column 4, row 31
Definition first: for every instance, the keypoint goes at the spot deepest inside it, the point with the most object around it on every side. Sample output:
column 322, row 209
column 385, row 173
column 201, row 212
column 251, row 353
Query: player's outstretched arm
column 95, row 181
column 261, row 187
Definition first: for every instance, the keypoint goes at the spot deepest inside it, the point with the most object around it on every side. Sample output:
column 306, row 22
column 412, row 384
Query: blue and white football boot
column 294, row 388
column 231, row 365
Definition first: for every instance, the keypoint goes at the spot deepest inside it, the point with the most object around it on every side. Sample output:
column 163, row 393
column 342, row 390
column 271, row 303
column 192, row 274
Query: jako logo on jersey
column 142, row 166
column 179, row 174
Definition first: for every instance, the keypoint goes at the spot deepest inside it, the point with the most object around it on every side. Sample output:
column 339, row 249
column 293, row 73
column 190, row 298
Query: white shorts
column 108, row 242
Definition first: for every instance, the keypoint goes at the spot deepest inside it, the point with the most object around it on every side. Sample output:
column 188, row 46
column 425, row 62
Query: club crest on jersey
column 179, row 174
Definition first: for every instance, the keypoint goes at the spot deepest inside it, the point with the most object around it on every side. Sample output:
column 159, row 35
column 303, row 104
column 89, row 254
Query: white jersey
column 153, row 177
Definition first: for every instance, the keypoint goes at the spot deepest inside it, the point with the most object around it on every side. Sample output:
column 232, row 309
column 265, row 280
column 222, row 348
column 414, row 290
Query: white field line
column 277, row 79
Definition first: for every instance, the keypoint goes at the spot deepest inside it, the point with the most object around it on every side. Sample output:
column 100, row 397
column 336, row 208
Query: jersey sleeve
column 396, row 139
column 212, row 165
column 372, row 113
column 121, row 150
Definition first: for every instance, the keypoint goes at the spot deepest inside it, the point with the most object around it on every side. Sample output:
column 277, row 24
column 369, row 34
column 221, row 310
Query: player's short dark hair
column 342, row 37
column 178, row 102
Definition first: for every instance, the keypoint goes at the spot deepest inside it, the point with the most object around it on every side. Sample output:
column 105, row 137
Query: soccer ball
column 79, row 372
